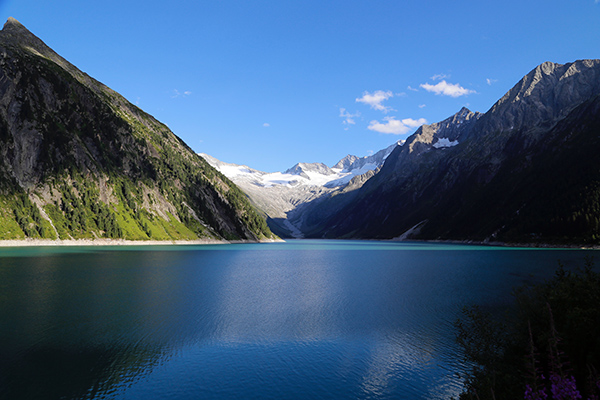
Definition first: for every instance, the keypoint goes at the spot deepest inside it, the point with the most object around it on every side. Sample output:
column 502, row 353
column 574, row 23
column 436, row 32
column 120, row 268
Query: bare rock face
column 440, row 135
column 346, row 162
column 302, row 169
column 351, row 162
column 545, row 95
column 75, row 156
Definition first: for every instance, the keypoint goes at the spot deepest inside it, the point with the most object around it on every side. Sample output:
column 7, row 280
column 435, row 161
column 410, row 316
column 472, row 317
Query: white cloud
column 490, row 81
column 375, row 99
column 348, row 118
column 447, row 89
column 394, row 126
column 266, row 125
column 422, row 105
column 437, row 77
column 414, row 123
column 412, row 89
column 177, row 93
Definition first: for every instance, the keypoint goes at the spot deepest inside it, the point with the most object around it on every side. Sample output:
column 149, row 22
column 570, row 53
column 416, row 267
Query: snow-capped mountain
column 281, row 195
column 308, row 174
column 527, row 170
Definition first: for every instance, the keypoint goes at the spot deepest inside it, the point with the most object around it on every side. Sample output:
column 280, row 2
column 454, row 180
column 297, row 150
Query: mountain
column 353, row 163
column 303, row 169
column 77, row 160
column 525, row 171
column 287, row 197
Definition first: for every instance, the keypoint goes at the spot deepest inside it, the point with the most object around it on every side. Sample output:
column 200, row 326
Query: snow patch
column 340, row 176
column 231, row 170
column 307, row 175
column 444, row 142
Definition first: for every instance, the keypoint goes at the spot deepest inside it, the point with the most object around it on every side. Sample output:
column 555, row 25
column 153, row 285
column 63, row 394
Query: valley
column 81, row 162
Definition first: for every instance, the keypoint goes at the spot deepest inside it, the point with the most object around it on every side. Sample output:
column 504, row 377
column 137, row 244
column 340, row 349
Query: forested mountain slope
column 80, row 161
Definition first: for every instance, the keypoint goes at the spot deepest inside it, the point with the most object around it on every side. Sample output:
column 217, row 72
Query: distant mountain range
column 80, row 161
column 528, row 170
column 283, row 195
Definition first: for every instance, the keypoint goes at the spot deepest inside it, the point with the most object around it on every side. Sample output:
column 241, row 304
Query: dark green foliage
column 106, row 221
column 554, row 330
column 126, row 193
column 28, row 217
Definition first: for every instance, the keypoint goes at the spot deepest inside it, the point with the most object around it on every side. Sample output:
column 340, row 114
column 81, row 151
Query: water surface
column 302, row 319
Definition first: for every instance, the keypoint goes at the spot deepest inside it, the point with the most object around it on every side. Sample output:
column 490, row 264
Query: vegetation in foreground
column 547, row 348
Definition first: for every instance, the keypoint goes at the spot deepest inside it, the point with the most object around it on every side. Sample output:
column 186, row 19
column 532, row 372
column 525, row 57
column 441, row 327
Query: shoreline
column 102, row 242
column 125, row 242
column 505, row 244
column 117, row 242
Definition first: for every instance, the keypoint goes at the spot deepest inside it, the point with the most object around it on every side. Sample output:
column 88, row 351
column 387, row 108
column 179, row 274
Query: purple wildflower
column 564, row 388
column 531, row 394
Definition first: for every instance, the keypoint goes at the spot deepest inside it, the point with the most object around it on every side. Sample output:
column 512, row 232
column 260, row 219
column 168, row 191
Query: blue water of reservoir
column 297, row 320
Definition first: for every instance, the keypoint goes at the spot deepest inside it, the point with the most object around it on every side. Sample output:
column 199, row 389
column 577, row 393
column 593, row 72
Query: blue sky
column 272, row 83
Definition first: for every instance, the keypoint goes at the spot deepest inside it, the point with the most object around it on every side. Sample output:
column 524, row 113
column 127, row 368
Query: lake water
column 295, row 320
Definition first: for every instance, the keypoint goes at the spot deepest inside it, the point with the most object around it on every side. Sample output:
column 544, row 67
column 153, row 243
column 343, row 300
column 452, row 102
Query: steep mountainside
column 79, row 161
column 285, row 196
column 527, row 170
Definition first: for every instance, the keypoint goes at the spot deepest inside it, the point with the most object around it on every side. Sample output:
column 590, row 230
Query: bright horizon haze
column 270, row 83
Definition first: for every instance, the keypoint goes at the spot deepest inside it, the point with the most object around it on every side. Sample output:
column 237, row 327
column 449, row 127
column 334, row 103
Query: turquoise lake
column 297, row 320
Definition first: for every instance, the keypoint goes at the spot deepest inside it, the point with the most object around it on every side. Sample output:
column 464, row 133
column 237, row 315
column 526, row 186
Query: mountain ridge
column 467, row 192
column 481, row 177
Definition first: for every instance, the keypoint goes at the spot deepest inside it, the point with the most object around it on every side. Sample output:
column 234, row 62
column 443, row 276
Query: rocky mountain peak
column 452, row 128
column 543, row 96
column 15, row 33
column 463, row 113
column 350, row 162
column 460, row 117
column 439, row 135
column 302, row 168
column 346, row 162
column 12, row 24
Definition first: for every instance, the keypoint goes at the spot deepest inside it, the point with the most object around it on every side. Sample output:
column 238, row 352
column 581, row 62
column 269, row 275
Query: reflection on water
column 304, row 319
